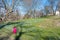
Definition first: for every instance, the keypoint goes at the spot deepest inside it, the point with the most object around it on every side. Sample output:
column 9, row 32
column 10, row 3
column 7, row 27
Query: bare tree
column 9, row 10
column 46, row 10
column 58, row 5
column 32, row 4
column 52, row 3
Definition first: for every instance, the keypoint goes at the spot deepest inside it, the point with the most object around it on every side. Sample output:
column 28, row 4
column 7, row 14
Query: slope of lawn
column 34, row 29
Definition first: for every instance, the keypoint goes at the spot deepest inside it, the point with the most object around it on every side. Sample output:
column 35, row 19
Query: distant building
column 57, row 13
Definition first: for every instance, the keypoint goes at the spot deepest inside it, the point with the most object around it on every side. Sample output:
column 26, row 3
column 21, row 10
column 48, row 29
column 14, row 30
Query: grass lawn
column 35, row 29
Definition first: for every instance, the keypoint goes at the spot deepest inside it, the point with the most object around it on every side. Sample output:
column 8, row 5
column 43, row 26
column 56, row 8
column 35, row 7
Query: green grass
column 36, row 29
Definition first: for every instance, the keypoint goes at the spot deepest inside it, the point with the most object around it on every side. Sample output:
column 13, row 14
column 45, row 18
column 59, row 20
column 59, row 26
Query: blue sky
column 38, row 6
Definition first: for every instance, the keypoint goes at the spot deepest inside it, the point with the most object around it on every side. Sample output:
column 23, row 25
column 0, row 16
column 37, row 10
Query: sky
column 37, row 7
column 23, row 9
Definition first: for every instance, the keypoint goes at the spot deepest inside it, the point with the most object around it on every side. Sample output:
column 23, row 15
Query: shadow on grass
column 4, row 38
column 9, row 34
column 20, row 33
column 9, row 23
column 18, row 37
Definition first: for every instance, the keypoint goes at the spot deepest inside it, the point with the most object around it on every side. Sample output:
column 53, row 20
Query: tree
column 6, row 6
column 52, row 3
column 10, row 9
column 18, row 15
column 31, row 7
column 46, row 10
column 58, row 5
